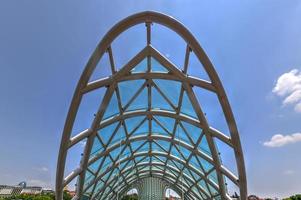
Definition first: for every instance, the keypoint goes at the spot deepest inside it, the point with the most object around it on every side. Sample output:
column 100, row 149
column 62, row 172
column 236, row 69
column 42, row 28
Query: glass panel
column 213, row 176
column 88, row 177
column 157, row 129
column 212, row 190
column 120, row 135
column 156, row 66
column 133, row 122
column 112, row 108
column 165, row 145
column 206, row 165
column 141, row 67
column 155, row 147
column 171, row 89
column 115, row 153
column 194, row 131
column 137, row 144
column 162, row 158
column 167, row 122
column 94, row 166
column 143, row 129
column 127, row 152
column 180, row 134
column 187, row 107
column 106, row 132
column 184, row 151
column 204, row 186
column 98, row 186
column 128, row 89
column 97, row 147
column 141, row 101
column 204, row 146
column 158, row 101
column 195, row 67
column 175, row 152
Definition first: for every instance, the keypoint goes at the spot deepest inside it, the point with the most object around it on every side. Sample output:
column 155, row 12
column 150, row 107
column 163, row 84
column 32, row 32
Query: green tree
column 295, row 197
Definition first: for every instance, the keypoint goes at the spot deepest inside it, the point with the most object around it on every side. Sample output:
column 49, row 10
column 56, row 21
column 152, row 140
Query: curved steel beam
column 100, row 50
column 165, row 113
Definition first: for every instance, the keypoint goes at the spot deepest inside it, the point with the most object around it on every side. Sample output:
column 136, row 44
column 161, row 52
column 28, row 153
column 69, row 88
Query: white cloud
column 288, row 86
column 288, row 172
column 42, row 169
column 82, row 143
column 37, row 182
column 280, row 140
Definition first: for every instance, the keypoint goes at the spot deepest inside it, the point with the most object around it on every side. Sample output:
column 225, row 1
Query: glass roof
column 142, row 144
column 149, row 123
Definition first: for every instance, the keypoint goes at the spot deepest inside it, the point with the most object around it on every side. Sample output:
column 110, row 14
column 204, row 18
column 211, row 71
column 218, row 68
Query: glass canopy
column 150, row 123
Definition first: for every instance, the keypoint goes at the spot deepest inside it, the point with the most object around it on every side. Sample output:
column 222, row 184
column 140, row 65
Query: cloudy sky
column 255, row 46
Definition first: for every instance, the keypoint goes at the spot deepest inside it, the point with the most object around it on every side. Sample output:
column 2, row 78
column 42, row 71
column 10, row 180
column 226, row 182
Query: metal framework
column 150, row 124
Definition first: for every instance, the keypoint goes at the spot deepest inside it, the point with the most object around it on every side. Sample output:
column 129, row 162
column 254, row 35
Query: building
column 21, row 188
column 31, row 190
column 8, row 191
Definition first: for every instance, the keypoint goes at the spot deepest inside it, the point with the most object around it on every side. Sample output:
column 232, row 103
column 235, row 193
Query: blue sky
column 254, row 46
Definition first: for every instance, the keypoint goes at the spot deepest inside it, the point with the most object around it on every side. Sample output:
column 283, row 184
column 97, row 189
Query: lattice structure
column 150, row 123
column 151, row 188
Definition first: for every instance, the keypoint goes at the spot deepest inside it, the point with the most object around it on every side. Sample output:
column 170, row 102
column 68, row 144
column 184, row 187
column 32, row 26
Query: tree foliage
column 295, row 197
column 130, row 197
column 49, row 196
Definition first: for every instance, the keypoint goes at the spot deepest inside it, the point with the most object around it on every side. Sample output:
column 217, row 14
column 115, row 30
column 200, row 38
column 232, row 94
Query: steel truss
column 176, row 169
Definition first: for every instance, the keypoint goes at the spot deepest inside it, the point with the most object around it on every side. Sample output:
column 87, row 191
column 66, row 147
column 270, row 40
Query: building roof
column 150, row 122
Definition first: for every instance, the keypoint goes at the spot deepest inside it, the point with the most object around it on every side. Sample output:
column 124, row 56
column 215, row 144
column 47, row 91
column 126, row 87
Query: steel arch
column 215, row 86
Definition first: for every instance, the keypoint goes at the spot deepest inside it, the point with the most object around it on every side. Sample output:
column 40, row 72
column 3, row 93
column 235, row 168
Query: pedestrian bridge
column 150, row 129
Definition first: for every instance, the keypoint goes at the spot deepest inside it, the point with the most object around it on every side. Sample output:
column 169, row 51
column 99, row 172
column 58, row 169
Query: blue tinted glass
column 99, row 186
column 112, row 108
column 137, row 144
column 141, row 67
column 175, row 152
column 181, row 134
column 133, row 122
column 126, row 152
column 212, row 189
column 120, row 135
column 213, row 176
column 88, row 177
column 161, row 158
column 128, row 89
column 158, row 101
column 157, row 67
column 165, row 145
column 140, row 102
column 106, row 132
column 194, row 161
column 157, row 129
column 194, row 131
column 204, row 186
column 184, row 151
column 171, row 89
column 116, row 152
column 155, row 147
column 206, row 165
column 143, row 129
column 167, row 122
column 97, row 146
column 204, row 146
column 187, row 107
column 94, row 166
